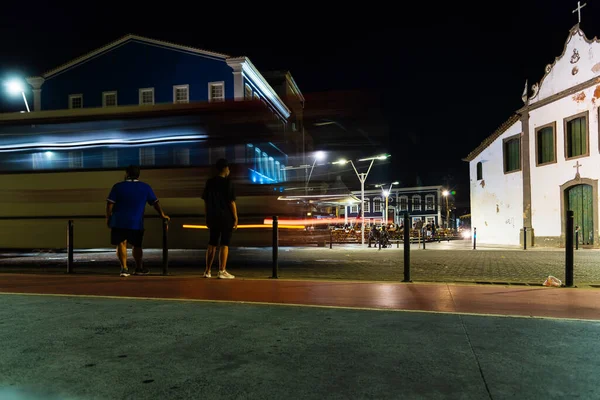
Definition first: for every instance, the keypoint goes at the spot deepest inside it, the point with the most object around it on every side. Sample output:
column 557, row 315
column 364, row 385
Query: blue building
column 136, row 74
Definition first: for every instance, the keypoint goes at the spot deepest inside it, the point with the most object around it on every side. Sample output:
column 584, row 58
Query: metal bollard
column 524, row 238
column 406, row 249
column 474, row 238
column 70, row 247
column 165, row 249
column 569, row 250
column 577, row 238
column 275, row 247
column 424, row 237
column 331, row 238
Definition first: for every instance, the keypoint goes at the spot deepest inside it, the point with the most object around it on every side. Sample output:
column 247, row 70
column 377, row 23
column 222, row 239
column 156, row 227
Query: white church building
column 545, row 159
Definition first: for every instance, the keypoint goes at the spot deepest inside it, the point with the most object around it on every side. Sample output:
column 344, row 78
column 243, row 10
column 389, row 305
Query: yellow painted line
column 249, row 226
column 263, row 303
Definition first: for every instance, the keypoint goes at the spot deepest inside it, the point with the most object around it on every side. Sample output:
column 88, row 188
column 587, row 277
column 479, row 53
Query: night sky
column 447, row 75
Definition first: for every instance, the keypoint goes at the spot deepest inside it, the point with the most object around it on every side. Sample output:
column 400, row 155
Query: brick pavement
column 440, row 262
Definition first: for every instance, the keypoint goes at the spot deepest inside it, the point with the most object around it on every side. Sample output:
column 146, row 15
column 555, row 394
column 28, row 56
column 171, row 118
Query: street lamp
column 16, row 87
column 362, row 177
column 386, row 194
column 319, row 156
column 446, row 193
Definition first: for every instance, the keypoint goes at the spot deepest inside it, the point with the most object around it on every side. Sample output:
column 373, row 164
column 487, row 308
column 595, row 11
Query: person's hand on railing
column 165, row 217
column 235, row 224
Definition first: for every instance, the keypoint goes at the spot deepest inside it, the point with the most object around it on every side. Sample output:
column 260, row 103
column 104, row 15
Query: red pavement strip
column 570, row 303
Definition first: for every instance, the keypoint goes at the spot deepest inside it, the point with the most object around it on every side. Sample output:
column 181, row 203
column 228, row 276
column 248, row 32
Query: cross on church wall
column 577, row 166
column 578, row 9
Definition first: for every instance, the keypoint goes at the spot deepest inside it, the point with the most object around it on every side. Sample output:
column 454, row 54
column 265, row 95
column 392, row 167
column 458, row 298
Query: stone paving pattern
column 440, row 262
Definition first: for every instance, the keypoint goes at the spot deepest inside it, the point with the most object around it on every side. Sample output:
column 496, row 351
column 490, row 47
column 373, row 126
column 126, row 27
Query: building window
column 278, row 171
column 181, row 156
column 416, row 200
column 512, row 154
column 576, row 136
column 429, row 202
column 75, row 159
column 181, row 94
column 75, row 101
column 354, row 209
column 147, row 156
column 367, row 205
column 109, row 99
column 545, row 143
column 146, row 96
column 216, row 91
column 403, row 203
column 247, row 92
column 377, row 204
column 479, row 171
column 256, row 96
column 110, row 158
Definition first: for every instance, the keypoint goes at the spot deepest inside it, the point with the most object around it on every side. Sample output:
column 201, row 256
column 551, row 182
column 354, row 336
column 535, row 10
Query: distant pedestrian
column 221, row 218
column 125, row 216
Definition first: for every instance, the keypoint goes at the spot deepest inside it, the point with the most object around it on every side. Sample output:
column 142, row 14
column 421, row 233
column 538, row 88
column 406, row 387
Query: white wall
column 497, row 200
column 546, row 179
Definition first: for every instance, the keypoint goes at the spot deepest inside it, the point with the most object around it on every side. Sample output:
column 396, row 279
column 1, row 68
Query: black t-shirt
column 218, row 195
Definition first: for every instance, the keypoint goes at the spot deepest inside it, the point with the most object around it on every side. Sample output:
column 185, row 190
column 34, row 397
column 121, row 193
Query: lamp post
column 386, row 194
column 362, row 177
column 16, row 87
column 446, row 193
column 319, row 156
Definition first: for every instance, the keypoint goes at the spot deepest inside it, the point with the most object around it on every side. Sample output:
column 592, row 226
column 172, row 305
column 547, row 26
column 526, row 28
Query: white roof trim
column 121, row 41
column 244, row 65
column 295, row 87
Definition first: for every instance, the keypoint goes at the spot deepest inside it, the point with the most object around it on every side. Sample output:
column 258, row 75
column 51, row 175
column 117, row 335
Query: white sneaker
column 206, row 274
column 124, row 273
column 225, row 275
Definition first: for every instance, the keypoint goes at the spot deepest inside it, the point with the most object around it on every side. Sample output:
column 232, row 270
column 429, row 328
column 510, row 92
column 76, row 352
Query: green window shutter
column 545, row 145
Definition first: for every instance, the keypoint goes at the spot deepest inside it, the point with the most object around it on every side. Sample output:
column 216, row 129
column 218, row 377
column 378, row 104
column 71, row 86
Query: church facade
column 543, row 161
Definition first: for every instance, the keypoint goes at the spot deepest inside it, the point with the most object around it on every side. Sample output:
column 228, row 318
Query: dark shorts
column 133, row 236
column 220, row 236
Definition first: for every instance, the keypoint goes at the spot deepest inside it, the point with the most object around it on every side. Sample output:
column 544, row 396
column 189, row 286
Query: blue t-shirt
column 130, row 198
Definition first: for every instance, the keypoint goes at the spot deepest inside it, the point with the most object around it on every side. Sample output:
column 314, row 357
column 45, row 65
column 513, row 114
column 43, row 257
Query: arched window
column 479, row 171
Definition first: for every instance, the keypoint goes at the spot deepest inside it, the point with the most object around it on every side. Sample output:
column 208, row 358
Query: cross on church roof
column 578, row 9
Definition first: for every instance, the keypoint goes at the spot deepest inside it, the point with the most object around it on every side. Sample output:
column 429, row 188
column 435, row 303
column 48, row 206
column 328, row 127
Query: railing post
column 165, row 249
column 569, row 250
column 331, row 238
column 406, row 249
column 474, row 238
column 524, row 238
column 275, row 247
column 577, row 238
column 70, row 247
column 424, row 236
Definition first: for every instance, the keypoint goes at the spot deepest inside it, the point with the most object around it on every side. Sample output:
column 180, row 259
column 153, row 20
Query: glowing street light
column 386, row 194
column 362, row 177
column 446, row 193
column 319, row 156
column 15, row 87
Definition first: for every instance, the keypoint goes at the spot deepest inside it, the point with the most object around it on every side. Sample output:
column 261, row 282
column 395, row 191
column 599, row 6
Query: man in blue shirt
column 125, row 216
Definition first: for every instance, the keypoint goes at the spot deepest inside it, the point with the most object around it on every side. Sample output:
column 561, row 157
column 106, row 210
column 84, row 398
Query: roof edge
column 483, row 145
column 122, row 40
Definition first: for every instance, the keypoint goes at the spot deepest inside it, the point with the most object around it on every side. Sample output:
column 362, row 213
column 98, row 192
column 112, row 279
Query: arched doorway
column 580, row 200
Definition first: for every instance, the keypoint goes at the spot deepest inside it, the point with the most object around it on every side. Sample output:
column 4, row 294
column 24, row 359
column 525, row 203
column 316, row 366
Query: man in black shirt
column 221, row 218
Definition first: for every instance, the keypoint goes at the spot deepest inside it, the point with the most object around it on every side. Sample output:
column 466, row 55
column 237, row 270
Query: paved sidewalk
column 79, row 348
column 440, row 262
